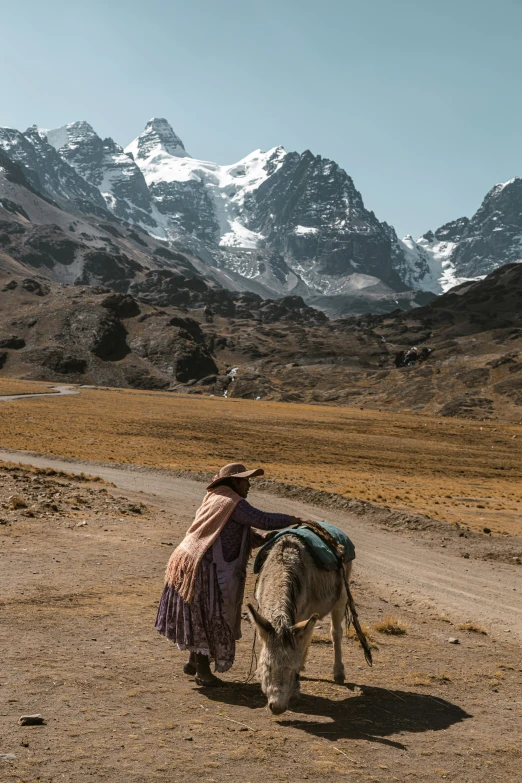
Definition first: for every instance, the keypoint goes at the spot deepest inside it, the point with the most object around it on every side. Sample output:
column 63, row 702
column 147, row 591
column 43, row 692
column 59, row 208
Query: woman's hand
column 299, row 521
column 260, row 539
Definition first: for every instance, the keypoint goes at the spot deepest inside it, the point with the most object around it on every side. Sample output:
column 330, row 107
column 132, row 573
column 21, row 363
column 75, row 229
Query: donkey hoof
column 339, row 679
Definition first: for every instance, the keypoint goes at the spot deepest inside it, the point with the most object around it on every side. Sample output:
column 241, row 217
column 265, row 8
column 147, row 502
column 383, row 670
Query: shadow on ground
column 369, row 713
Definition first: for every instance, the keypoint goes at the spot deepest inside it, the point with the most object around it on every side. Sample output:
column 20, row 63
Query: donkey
column 293, row 593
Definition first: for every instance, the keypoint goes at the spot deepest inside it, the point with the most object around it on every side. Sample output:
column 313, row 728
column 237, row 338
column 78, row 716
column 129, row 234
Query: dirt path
column 486, row 593
column 60, row 391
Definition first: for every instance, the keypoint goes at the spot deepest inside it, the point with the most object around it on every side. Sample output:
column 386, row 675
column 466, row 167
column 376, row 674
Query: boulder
column 57, row 359
column 35, row 287
column 97, row 331
column 122, row 305
column 101, row 266
column 51, row 242
column 12, row 342
column 176, row 350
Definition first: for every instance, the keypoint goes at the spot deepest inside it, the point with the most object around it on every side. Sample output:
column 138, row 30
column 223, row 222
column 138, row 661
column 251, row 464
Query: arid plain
column 454, row 470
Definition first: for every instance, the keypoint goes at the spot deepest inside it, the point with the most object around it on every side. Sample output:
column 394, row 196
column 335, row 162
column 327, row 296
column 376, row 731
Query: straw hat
column 234, row 470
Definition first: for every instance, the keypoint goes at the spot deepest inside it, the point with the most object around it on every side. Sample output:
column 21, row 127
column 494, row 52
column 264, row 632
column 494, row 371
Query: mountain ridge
column 276, row 223
column 223, row 215
column 470, row 248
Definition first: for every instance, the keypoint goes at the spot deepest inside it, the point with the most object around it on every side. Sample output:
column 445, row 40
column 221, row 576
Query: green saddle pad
column 321, row 552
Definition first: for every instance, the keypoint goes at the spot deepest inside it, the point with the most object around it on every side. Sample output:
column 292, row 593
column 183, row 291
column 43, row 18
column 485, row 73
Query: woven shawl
column 211, row 517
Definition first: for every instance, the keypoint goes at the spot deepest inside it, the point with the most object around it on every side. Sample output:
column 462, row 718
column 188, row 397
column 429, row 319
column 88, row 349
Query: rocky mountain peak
column 450, row 232
column 48, row 172
column 109, row 145
column 104, row 164
column 158, row 136
column 72, row 134
column 504, row 200
column 493, row 236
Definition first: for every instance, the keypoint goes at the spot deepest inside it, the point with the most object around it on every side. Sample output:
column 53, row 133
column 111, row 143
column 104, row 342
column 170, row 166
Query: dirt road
column 489, row 594
column 60, row 391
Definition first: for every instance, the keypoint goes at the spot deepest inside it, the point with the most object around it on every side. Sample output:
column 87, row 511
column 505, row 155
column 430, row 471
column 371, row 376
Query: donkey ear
column 264, row 626
column 304, row 630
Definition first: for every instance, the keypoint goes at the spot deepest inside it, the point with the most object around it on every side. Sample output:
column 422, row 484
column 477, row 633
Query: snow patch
column 501, row 185
column 239, row 236
column 57, row 137
column 227, row 186
column 441, row 276
column 305, row 230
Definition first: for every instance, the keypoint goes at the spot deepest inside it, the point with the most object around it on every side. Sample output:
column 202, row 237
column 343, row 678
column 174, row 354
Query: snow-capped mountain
column 103, row 164
column 301, row 212
column 158, row 135
column 309, row 210
column 202, row 198
column 493, row 236
column 429, row 259
column 467, row 249
column 48, row 172
column 274, row 223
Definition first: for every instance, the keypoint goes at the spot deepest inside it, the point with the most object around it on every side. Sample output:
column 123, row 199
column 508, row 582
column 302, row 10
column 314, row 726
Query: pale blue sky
column 419, row 100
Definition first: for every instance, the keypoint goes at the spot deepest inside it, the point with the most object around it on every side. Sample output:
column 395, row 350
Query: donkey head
column 283, row 653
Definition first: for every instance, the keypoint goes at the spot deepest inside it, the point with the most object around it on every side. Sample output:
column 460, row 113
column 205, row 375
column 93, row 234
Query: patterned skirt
column 193, row 626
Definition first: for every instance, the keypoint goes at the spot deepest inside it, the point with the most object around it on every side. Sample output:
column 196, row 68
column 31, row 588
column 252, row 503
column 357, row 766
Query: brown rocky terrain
column 212, row 341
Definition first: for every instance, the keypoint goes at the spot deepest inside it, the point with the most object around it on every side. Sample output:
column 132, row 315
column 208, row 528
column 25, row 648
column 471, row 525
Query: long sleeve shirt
column 246, row 514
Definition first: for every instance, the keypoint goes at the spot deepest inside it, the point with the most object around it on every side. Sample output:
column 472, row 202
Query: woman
column 200, row 608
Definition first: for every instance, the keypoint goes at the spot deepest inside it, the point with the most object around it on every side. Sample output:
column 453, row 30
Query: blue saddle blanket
column 321, row 552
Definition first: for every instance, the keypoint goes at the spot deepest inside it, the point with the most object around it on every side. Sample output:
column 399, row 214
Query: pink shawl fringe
column 211, row 517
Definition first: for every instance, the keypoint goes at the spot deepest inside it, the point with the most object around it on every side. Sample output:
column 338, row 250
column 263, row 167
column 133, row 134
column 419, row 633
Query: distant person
column 200, row 608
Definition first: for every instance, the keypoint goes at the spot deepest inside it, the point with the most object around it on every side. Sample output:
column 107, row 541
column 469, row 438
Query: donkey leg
column 336, row 632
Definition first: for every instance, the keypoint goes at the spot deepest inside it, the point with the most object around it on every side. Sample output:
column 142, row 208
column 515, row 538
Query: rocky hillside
column 36, row 233
column 238, row 345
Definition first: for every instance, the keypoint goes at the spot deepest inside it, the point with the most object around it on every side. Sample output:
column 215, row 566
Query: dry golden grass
column 469, row 626
column 320, row 638
column 367, row 631
column 441, row 678
column 391, row 626
column 13, row 386
column 441, row 467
